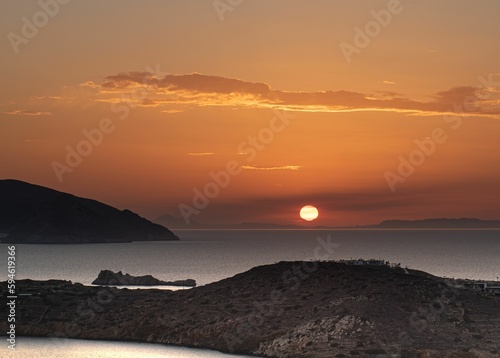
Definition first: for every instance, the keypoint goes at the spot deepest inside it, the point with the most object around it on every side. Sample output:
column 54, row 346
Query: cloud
column 455, row 95
column 172, row 111
column 24, row 112
column 44, row 98
column 32, row 141
column 385, row 95
column 282, row 167
column 201, row 154
column 211, row 84
column 146, row 90
column 385, row 82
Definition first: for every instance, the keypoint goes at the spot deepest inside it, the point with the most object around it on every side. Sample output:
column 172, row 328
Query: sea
column 211, row 255
column 31, row 347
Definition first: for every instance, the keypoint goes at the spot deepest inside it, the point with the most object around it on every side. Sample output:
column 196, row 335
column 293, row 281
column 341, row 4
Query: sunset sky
column 317, row 102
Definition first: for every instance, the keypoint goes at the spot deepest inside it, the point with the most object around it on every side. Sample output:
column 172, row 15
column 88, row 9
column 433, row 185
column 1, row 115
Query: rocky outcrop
column 289, row 309
column 32, row 214
column 107, row 277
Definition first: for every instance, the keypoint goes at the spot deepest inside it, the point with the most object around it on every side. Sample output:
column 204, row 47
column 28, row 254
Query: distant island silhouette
column 32, row 214
column 435, row 223
column 438, row 223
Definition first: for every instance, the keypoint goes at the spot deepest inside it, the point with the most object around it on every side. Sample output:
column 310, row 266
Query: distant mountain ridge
column 439, row 223
column 36, row 214
column 436, row 223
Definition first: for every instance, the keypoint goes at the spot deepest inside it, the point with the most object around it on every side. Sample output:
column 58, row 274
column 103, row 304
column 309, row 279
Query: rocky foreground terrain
column 289, row 309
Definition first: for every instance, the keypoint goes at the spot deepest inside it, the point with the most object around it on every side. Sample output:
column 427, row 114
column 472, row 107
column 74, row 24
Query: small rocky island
column 289, row 309
column 107, row 277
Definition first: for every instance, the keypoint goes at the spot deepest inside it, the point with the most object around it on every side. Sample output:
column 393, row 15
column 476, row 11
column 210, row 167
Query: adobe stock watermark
column 293, row 278
column 426, row 318
column 223, row 6
column 453, row 118
column 31, row 26
column 86, row 314
column 373, row 28
column 220, row 180
column 94, row 137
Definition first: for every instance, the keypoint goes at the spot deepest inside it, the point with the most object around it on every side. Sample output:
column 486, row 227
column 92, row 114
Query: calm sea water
column 208, row 256
column 28, row 347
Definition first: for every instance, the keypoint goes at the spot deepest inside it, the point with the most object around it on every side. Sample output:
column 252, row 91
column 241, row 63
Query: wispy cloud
column 32, row 141
column 44, row 98
column 201, row 154
column 281, row 167
column 202, row 90
column 24, row 112
column 172, row 111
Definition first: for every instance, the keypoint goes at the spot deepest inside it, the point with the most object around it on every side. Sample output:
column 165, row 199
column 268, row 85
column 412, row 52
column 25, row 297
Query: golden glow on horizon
column 309, row 213
column 186, row 96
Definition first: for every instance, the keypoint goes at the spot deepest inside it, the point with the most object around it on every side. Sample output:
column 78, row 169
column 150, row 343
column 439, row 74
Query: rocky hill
column 289, row 309
column 37, row 215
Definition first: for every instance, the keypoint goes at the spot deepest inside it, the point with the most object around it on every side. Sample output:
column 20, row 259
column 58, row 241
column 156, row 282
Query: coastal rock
column 107, row 277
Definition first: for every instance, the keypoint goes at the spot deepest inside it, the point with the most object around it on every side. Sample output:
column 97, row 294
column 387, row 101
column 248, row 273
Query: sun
column 309, row 213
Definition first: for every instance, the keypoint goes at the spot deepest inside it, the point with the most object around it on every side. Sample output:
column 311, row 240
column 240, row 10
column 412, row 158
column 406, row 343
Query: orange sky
column 159, row 98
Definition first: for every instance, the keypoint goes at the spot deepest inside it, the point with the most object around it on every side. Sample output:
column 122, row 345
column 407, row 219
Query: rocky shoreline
column 288, row 309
